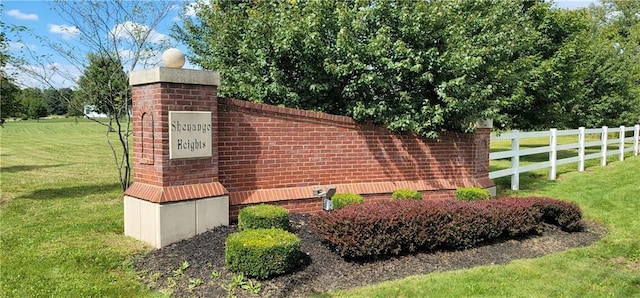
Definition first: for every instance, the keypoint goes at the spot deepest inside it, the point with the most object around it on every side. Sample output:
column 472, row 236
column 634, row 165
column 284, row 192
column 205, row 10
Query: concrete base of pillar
column 163, row 224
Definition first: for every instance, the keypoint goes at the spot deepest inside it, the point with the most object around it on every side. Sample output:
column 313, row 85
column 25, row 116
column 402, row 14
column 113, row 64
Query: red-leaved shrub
column 390, row 228
column 566, row 215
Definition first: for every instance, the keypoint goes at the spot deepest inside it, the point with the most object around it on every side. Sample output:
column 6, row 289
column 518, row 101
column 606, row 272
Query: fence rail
column 625, row 144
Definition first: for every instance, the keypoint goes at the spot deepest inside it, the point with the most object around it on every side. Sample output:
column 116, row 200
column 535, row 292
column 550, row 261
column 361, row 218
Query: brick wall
column 279, row 155
column 274, row 154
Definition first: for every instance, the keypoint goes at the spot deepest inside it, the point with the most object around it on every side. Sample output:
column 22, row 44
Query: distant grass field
column 61, row 227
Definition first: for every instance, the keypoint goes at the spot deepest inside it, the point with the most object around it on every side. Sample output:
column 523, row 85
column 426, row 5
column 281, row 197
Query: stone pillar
column 175, row 192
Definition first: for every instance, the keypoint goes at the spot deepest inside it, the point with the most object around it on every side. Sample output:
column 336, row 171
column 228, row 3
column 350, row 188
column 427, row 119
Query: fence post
column 636, row 140
column 621, row 146
column 581, row 149
column 553, row 153
column 605, row 140
column 515, row 161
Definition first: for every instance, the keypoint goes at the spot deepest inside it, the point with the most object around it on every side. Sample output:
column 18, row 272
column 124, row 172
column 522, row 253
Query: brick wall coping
column 302, row 114
column 174, row 75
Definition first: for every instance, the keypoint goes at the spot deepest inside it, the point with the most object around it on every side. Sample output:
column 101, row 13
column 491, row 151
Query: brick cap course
column 159, row 194
column 287, row 112
column 306, row 192
column 174, row 75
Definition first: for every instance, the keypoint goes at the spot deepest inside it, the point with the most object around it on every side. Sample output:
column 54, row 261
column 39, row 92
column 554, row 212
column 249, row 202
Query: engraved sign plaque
column 189, row 134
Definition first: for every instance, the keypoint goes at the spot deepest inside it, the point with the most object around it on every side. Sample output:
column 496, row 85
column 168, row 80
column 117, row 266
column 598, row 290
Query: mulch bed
column 327, row 271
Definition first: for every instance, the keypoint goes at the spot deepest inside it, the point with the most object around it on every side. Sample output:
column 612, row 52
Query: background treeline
column 424, row 66
column 34, row 103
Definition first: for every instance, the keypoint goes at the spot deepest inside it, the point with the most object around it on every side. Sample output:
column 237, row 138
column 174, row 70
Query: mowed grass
column 61, row 216
column 539, row 178
column 61, row 227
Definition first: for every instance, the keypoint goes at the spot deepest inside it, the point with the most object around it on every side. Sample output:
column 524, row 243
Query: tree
column 75, row 107
column 427, row 66
column 541, row 92
column 419, row 66
column 55, row 99
column 33, row 103
column 583, row 74
column 9, row 104
column 106, row 86
column 37, row 109
column 117, row 34
column 606, row 72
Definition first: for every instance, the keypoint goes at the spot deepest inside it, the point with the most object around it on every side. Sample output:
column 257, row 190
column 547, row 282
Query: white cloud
column 44, row 76
column 66, row 32
column 133, row 31
column 22, row 16
column 146, row 59
column 18, row 46
column 191, row 9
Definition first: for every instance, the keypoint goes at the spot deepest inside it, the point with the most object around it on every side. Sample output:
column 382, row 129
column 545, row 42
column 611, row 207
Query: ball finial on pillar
column 173, row 58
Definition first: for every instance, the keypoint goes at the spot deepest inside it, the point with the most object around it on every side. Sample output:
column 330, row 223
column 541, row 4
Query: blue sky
column 44, row 22
column 38, row 17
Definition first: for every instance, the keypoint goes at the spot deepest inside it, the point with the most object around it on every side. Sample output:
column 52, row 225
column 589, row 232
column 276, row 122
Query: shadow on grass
column 24, row 168
column 70, row 192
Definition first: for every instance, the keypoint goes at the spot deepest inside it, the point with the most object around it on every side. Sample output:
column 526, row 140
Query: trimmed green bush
column 262, row 253
column 342, row 200
column 263, row 216
column 472, row 194
column 403, row 194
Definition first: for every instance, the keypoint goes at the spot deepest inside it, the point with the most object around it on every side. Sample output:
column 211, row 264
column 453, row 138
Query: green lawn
column 61, row 227
column 61, row 215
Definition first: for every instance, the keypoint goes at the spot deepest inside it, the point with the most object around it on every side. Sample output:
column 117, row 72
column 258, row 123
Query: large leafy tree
column 541, row 92
column 585, row 72
column 606, row 73
column 426, row 66
column 421, row 66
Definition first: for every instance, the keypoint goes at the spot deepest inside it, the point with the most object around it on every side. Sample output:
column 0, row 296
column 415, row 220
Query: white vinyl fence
column 625, row 144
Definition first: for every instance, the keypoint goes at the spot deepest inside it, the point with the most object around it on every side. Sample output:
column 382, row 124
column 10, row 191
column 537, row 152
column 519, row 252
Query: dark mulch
column 327, row 271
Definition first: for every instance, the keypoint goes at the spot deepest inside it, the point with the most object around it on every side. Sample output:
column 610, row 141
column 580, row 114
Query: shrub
column 341, row 200
column 566, row 215
column 262, row 253
column 389, row 228
column 472, row 194
column 403, row 194
column 263, row 216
